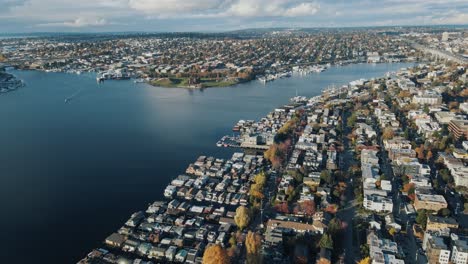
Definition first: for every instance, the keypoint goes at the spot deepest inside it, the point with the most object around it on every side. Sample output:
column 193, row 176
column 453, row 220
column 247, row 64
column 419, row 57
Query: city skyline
column 21, row 16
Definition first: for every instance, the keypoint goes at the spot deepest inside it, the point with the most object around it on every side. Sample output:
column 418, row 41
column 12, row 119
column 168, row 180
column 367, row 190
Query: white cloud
column 79, row 22
column 218, row 15
column 271, row 8
column 304, row 9
column 164, row 7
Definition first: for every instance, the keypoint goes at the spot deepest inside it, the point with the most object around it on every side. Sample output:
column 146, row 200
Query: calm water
column 70, row 174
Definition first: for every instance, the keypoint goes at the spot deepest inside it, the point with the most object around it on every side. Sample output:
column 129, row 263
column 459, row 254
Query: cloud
column 221, row 15
column 304, row 9
column 224, row 8
column 163, row 7
column 79, row 22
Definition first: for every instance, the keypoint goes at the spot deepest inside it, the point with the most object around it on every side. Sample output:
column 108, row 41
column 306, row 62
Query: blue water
column 72, row 173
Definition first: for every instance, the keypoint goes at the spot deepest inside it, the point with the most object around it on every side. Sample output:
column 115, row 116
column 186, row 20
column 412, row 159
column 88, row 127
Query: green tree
column 326, row 176
column 334, row 226
column 446, row 177
column 421, row 218
column 326, row 242
column 444, row 212
column 351, row 120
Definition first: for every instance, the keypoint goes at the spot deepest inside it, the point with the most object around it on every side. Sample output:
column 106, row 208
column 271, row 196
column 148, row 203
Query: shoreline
column 211, row 82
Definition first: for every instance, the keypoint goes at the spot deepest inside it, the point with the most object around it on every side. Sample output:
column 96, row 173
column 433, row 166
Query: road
column 348, row 213
column 408, row 244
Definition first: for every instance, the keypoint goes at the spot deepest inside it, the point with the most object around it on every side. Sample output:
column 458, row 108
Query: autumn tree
column 242, row 217
column 332, row 209
column 308, row 208
column 215, row 254
column 256, row 189
column 253, row 242
column 420, row 152
column 282, row 208
column 429, row 155
column 260, row 178
column 388, row 133
column 365, row 260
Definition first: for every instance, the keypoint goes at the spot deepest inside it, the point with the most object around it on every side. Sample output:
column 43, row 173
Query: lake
column 72, row 173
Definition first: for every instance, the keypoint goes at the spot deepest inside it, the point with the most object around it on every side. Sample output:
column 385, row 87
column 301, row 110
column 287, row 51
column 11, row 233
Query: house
column 191, row 256
column 429, row 202
column 181, row 256
column 115, row 240
column 459, row 128
column 444, row 117
column 427, row 98
column 383, row 251
column 273, row 237
column 130, row 245
column 437, row 251
column 170, row 253
column 313, row 180
column 436, row 223
column 157, row 252
column 394, row 154
column 460, row 176
column 378, row 203
column 290, row 226
column 459, row 251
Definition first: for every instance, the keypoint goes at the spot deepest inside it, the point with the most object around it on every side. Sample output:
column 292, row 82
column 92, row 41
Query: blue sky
column 221, row 15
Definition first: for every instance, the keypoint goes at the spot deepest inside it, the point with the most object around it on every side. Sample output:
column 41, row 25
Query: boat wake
column 74, row 95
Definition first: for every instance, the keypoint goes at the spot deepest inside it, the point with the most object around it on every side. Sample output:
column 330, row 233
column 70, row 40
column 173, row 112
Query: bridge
column 440, row 54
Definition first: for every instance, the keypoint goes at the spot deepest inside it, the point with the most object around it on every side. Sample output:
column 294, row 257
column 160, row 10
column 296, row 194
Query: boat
column 67, row 100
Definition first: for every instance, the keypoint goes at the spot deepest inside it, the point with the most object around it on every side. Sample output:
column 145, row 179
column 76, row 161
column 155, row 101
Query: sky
column 22, row 16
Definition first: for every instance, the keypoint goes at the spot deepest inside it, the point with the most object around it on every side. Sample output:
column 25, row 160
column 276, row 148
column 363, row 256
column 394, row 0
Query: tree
column 446, row 175
column 426, row 109
column 242, row 217
column 282, row 208
column 253, row 243
column 215, row 254
column 406, row 133
column 334, row 226
column 308, row 207
column 364, row 250
column 429, row 155
column 365, row 260
column 260, row 179
column 388, row 133
column 420, row 152
column 326, row 242
column 421, row 218
column 444, row 212
column 351, row 120
column 326, row 176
